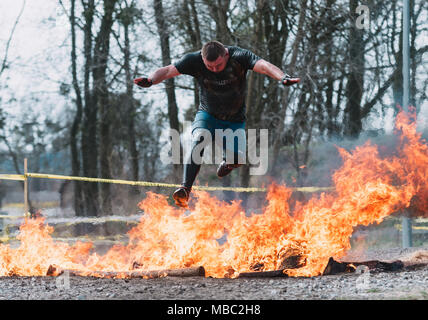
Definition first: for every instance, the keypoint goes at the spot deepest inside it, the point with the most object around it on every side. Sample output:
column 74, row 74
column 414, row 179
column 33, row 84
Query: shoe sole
column 229, row 171
column 223, row 175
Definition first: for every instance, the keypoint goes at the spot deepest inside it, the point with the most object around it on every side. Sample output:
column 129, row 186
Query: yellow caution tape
column 91, row 220
column 168, row 185
column 134, row 183
column 237, row 189
column 399, row 227
column 113, row 239
column 149, row 184
column 16, row 177
column 46, row 204
column 313, row 189
column 3, row 216
column 420, row 228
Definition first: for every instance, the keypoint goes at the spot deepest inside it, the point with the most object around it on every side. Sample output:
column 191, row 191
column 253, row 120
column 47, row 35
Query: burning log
column 335, row 267
column 293, row 262
column 184, row 272
column 292, row 258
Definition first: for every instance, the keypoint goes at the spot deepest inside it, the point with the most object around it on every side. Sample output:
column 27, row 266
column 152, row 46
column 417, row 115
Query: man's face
column 218, row 65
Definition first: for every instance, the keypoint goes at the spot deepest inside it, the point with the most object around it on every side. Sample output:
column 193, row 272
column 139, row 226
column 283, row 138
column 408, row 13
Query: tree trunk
column 276, row 30
column 253, row 97
column 101, row 94
column 282, row 113
column 355, row 84
column 89, row 132
column 169, row 84
column 328, row 45
column 197, row 45
column 218, row 11
column 192, row 28
column 132, row 143
column 75, row 161
column 15, row 161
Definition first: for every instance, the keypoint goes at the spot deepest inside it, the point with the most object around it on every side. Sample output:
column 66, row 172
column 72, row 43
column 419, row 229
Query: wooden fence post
column 25, row 188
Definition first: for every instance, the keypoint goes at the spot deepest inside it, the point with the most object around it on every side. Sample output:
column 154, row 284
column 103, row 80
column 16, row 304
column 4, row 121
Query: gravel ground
column 409, row 285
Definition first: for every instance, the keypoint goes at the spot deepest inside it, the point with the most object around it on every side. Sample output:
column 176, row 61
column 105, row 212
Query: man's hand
column 289, row 81
column 143, row 82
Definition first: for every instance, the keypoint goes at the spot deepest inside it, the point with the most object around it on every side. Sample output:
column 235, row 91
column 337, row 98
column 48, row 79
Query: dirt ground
column 408, row 285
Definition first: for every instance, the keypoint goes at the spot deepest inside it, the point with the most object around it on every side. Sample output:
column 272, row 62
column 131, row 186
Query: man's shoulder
column 194, row 56
column 187, row 63
column 244, row 56
column 235, row 50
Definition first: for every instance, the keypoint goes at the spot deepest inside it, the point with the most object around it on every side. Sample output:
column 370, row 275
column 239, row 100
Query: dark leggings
column 191, row 168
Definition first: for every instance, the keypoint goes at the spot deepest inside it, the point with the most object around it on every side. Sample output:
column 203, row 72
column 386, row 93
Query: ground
column 409, row 285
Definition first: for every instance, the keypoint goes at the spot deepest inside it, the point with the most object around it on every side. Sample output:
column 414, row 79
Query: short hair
column 212, row 50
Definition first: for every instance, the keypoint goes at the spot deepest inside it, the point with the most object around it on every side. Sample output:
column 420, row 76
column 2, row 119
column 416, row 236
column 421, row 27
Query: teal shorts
column 230, row 136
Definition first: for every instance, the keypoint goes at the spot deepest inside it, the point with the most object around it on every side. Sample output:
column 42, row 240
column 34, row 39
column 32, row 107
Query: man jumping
column 221, row 73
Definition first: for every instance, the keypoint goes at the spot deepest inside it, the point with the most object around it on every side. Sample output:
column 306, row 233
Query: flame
column 368, row 188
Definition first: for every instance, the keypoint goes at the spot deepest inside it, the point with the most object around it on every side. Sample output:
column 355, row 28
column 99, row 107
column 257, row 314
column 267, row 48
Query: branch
column 12, row 154
column 3, row 67
column 370, row 104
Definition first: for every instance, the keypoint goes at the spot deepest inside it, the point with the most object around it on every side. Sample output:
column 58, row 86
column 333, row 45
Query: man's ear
column 226, row 55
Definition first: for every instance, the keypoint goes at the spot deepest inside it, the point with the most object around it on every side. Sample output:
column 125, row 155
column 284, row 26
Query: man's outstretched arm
column 158, row 76
column 264, row 67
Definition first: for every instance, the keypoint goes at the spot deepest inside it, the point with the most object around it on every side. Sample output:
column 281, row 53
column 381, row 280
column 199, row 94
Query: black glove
column 143, row 82
column 289, row 81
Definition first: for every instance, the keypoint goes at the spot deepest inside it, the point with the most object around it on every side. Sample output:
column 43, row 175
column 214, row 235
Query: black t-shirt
column 222, row 94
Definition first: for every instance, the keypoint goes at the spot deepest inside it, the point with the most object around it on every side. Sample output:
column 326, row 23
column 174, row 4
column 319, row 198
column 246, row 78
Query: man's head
column 215, row 56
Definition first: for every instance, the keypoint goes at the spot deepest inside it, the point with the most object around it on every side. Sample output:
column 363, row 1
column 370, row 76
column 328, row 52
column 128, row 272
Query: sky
column 36, row 55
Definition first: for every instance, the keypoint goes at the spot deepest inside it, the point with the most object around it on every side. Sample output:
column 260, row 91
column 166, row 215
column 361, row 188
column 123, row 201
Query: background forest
column 69, row 105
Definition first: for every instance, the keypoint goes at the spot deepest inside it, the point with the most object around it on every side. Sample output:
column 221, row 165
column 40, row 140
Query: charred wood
column 335, row 267
column 263, row 274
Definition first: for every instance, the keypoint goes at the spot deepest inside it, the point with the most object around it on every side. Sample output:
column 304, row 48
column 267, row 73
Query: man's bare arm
column 164, row 73
column 267, row 68
column 158, row 76
column 264, row 67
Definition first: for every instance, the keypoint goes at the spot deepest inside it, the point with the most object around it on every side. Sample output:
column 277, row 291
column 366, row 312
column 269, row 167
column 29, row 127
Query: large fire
column 368, row 188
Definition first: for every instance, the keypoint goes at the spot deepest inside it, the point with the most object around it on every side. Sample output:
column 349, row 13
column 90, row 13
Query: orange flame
column 368, row 188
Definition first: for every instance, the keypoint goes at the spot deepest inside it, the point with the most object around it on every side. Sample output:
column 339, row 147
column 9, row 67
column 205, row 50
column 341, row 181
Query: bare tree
column 355, row 84
column 127, row 18
column 163, row 32
column 4, row 63
column 89, row 130
column 75, row 128
column 291, row 68
column 101, row 97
